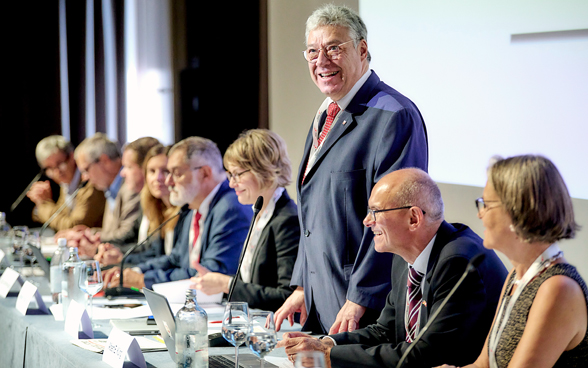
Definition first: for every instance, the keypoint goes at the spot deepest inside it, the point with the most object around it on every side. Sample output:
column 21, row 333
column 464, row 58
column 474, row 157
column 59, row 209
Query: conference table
column 36, row 340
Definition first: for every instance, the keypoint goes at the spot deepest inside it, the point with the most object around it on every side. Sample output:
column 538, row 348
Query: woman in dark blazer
column 258, row 165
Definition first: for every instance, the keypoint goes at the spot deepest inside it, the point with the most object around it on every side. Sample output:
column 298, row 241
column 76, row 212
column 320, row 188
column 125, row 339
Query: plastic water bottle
column 70, row 289
column 59, row 257
column 191, row 334
column 5, row 241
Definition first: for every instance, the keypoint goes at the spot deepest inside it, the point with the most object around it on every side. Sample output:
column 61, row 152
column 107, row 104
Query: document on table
column 175, row 292
column 98, row 345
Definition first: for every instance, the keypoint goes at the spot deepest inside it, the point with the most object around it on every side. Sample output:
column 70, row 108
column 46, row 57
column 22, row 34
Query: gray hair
column 97, row 145
column 421, row 191
column 50, row 145
column 338, row 16
column 206, row 150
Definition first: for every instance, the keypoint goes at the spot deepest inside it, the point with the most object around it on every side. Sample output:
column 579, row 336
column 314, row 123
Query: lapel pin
column 425, row 303
column 344, row 122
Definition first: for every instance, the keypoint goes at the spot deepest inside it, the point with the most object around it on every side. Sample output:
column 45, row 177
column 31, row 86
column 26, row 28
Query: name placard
column 8, row 279
column 26, row 295
column 119, row 346
column 76, row 317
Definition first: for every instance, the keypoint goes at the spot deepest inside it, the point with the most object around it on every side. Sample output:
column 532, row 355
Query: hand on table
column 294, row 303
column 108, row 254
column 131, row 278
column 347, row 318
column 295, row 342
column 209, row 282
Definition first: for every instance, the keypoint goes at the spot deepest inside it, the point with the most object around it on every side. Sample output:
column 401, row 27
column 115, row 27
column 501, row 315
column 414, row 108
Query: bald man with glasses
column 405, row 214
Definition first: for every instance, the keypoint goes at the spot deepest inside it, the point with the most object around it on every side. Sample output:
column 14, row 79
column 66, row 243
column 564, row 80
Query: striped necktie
column 414, row 300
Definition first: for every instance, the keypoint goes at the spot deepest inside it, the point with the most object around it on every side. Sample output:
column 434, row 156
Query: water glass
column 91, row 281
column 235, row 325
column 261, row 334
column 310, row 359
column 20, row 235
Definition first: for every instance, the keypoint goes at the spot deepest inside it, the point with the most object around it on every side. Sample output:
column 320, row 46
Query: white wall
column 293, row 97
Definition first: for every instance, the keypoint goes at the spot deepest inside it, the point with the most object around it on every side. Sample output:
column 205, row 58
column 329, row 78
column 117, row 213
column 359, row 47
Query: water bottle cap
column 62, row 242
column 191, row 292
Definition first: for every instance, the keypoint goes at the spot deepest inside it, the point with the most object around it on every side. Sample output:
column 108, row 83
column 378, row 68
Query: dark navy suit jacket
column 458, row 334
column 223, row 234
column 379, row 132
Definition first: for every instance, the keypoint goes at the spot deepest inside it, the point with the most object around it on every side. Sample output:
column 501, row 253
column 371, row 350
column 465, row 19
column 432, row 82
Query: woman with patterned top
column 542, row 318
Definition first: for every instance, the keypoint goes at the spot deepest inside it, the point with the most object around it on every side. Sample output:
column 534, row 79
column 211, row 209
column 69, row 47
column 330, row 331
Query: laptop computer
column 167, row 327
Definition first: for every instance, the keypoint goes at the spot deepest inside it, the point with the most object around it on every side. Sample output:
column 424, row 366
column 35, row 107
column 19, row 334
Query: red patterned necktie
column 331, row 113
column 415, row 297
column 197, row 217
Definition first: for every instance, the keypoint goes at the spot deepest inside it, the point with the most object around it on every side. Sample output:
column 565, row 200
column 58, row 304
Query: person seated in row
column 405, row 214
column 211, row 233
column 121, row 178
column 155, row 210
column 257, row 164
column 55, row 156
column 543, row 316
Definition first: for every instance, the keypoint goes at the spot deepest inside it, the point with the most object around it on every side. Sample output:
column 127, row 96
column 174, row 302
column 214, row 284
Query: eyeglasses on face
column 482, row 205
column 61, row 167
column 372, row 213
column 177, row 174
column 236, row 176
column 332, row 52
column 84, row 171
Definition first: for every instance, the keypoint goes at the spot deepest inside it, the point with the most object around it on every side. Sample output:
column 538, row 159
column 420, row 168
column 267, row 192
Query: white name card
column 119, row 346
column 76, row 316
column 7, row 281
column 25, row 296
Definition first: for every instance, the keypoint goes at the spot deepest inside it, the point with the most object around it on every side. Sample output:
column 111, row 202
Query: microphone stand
column 24, row 193
column 474, row 262
column 66, row 203
column 256, row 209
column 120, row 291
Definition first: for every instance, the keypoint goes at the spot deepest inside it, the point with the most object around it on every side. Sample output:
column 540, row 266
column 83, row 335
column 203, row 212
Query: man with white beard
column 211, row 233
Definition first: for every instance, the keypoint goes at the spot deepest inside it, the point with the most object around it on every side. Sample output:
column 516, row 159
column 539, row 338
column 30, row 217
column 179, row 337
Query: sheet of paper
column 175, row 292
column 98, row 345
column 121, row 313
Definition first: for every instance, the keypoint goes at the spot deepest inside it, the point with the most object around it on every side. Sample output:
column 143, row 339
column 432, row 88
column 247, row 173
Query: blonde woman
column 258, row 165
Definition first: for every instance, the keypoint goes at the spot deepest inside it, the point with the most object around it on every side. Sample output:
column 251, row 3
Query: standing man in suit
column 211, row 234
column 406, row 216
column 363, row 130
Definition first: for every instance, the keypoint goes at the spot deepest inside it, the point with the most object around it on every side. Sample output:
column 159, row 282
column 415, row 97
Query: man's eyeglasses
column 236, row 176
column 482, row 205
column 177, row 174
column 85, row 171
column 373, row 212
column 332, row 52
column 61, row 167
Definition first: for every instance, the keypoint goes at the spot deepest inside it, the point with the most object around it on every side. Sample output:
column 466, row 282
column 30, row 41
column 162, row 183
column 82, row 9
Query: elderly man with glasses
column 55, row 156
column 363, row 130
column 405, row 214
column 211, row 234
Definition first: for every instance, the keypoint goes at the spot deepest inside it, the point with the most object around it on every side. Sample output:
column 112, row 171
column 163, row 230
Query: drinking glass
column 261, row 334
column 235, row 325
column 310, row 359
column 91, row 281
column 20, row 236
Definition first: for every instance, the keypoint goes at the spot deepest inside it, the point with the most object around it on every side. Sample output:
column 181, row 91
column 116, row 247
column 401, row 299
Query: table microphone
column 474, row 262
column 121, row 291
column 256, row 209
column 66, row 203
column 24, row 193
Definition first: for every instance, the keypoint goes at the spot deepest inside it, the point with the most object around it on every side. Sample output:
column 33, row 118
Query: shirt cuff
column 137, row 270
column 330, row 338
